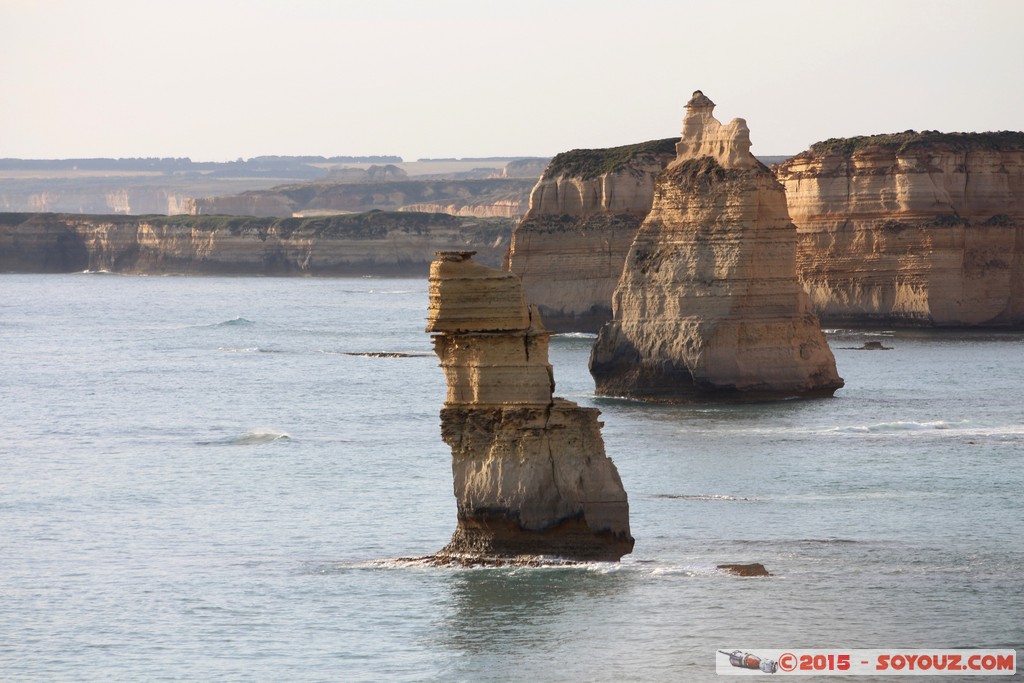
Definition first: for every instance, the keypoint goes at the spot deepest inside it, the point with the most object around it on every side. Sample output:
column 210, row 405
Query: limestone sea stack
column 709, row 304
column 911, row 228
column 584, row 213
column 531, row 475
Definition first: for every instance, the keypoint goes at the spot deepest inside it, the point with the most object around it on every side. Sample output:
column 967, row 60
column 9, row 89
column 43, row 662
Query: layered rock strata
column 911, row 228
column 375, row 243
column 709, row 304
column 472, row 195
column 584, row 213
column 530, row 473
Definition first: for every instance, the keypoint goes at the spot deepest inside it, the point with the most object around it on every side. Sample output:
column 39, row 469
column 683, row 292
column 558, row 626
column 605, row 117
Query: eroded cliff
column 709, row 304
column 376, row 243
column 911, row 228
column 462, row 197
column 584, row 213
column 530, row 472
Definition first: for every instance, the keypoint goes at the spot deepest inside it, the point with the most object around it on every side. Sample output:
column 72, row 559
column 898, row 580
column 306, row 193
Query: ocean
column 215, row 479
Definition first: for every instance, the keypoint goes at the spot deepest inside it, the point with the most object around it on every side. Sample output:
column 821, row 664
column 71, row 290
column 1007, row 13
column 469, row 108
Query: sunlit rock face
column 911, row 228
column 530, row 473
column 584, row 213
column 374, row 243
column 709, row 304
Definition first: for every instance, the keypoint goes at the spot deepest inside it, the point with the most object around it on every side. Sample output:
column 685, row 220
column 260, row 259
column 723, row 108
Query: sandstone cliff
column 473, row 196
column 584, row 213
column 494, row 208
column 709, row 304
column 376, row 243
column 530, row 473
column 919, row 228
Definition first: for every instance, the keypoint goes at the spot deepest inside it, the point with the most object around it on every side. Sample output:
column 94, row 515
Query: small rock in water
column 753, row 569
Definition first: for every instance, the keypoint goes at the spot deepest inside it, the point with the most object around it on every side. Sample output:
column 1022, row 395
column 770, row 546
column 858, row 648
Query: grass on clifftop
column 591, row 163
column 908, row 139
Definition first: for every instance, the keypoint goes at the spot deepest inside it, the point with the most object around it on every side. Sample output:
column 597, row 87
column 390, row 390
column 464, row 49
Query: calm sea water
column 197, row 482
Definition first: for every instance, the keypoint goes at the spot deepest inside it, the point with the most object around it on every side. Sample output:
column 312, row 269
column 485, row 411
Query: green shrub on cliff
column 909, row 139
column 591, row 163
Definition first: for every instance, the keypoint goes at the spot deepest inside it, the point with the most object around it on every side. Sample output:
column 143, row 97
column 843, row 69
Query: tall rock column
column 709, row 304
column 531, row 475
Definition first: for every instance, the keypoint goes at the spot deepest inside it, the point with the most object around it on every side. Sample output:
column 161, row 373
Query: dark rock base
column 497, row 538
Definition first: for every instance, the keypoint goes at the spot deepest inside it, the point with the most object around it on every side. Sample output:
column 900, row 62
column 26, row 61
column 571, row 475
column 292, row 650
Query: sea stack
column 709, row 304
column 531, row 475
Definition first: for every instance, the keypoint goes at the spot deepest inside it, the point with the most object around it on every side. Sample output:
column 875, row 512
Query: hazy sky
column 221, row 79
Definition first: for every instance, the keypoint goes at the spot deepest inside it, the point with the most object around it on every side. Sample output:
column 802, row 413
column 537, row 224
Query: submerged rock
column 752, row 569
column 708, row 304
column 530, row 473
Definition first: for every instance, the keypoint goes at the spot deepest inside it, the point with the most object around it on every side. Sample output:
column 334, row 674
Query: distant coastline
column 374, row 243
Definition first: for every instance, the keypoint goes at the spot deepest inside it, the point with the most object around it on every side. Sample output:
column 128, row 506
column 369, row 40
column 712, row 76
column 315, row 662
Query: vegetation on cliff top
column 909, row 139
column 591, row 163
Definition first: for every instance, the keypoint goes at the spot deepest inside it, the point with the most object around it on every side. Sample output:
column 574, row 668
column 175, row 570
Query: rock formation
column 375, row 243
column 476, row 195
column 709, row 303
column 531, row 475
column 584, row 213
column 911, row 228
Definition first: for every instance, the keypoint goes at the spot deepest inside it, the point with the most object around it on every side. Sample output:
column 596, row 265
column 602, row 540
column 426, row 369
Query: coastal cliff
column 505, row 197
column 584, row 213
column 376, row 243
column 911, row 228
column 530, row 472
column 709, row 304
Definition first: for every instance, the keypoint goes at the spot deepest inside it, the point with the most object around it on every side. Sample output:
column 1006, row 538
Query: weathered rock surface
column 357, row 244
column 709, row 304
column 491, row 208
column 530, row 473
column 473, row 195
column 584, row 213
column 911, row 228
column 752, row 569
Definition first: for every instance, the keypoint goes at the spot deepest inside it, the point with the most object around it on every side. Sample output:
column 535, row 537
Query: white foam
column 255, row 437
column 901, row 426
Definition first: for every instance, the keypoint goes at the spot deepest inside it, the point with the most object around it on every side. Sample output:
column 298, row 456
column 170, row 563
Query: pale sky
column 215, row 80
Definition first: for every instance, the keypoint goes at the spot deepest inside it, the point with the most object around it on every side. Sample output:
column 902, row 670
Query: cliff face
column 498, row 208
column 483, row 197
column 530, row 473
column 709, row 304
column 376, row 243
column 919, row 228
column 583, row 215
column 103, row 200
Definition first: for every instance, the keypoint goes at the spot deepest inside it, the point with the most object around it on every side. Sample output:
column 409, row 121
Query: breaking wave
column 900, row 426
column 255, row 437
column 645, row 568
column 235, row 322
